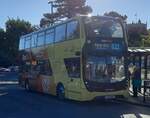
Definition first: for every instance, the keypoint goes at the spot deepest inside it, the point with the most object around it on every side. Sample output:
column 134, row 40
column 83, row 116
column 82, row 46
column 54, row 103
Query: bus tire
column 60, row 91
column 27, row 87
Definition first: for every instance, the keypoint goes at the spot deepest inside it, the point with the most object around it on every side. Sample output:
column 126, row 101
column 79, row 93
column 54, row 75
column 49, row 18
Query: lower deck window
column 73, row 67
column 105, row 69
column 43, row 67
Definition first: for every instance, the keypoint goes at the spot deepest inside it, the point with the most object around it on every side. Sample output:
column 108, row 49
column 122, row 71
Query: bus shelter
column 140, row 58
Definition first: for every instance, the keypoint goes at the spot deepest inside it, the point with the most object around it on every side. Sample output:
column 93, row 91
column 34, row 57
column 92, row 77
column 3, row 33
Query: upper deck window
column 33, row 41
column 60, row 34
column 21, row 44
column 28, row 42
column 106, row 28
column 72, row 30
column 40, row 39
column 49, row 36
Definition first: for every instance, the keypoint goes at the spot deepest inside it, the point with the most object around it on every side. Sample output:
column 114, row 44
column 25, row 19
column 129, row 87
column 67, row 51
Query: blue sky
column 32, row 10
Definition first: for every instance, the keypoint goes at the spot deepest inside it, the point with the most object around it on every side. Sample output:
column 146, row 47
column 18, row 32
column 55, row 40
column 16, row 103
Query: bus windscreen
column 104, row 28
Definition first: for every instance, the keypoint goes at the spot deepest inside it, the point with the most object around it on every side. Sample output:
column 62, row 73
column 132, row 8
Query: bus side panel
column 43, row 82
column 65, row 50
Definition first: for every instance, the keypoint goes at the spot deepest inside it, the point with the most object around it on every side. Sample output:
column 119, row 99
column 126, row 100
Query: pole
column 52, row 7
column 145, row 66
column 52, row 12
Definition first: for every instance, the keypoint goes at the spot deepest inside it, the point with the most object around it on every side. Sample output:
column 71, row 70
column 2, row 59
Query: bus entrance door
column 73, row 88
column 74, row 80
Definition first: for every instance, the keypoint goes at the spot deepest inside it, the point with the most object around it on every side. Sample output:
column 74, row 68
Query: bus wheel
column 27, row 85
column 60, row 91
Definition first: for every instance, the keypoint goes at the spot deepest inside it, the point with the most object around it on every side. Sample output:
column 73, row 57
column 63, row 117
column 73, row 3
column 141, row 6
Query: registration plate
column 110, row 97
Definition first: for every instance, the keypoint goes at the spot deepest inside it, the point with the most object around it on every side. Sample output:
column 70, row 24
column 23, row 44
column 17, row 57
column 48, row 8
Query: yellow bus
column 82, row 59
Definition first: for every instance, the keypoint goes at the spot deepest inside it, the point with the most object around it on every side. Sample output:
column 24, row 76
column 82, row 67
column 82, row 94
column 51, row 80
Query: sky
column 32, row 10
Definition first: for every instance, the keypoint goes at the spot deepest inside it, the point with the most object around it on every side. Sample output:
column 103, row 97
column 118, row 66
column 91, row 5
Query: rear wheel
column 60, row 91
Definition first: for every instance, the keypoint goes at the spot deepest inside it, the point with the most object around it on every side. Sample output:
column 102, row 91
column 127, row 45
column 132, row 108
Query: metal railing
column 146, row 89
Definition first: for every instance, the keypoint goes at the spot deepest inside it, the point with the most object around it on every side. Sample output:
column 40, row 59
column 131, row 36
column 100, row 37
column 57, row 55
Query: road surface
column 15, row 102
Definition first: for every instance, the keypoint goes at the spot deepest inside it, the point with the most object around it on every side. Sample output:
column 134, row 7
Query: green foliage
column 2, row 39
column 146, row 40
column 138, row 34
column 10, row 39
column 4, row 54
column 116, row 14
column 65, row 9
column 71, row 8
column 134, row 39
column 14, row 29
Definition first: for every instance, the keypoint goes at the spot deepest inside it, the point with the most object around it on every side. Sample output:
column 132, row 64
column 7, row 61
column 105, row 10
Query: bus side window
column 21, row 43
column 33, row 40
column 28, row 42
column 73, row 31
column 60, row 33
column 73, row 67
column 48, row 68
column 50, row 36
column 44, row 67
column 40, row 39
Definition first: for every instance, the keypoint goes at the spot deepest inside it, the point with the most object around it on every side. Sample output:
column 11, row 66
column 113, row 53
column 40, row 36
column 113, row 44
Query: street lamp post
column 52, row 4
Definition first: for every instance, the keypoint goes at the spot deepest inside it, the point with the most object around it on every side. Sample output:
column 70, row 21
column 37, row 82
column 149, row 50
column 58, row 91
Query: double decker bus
column 80, row 59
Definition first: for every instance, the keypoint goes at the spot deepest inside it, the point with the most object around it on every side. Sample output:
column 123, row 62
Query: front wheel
column 60, row 91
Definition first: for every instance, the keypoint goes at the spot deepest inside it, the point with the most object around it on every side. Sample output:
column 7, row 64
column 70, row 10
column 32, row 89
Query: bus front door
column 74, row 80
column 73, row 88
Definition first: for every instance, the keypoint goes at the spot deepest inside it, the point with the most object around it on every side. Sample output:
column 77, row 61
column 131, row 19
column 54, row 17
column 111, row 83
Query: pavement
column 137, row 100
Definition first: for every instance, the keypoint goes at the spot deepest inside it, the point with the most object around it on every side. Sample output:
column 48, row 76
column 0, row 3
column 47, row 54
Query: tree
column 65, row 9
column 70, row 8
column 3, row 48
column 116, row 14
column 2, row 38
column 137, row 32
column 134, row 39
column 146, row 40
column 14, row 29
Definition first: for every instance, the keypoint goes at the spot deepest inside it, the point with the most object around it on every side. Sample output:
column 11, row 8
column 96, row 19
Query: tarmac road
column 15, row 102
